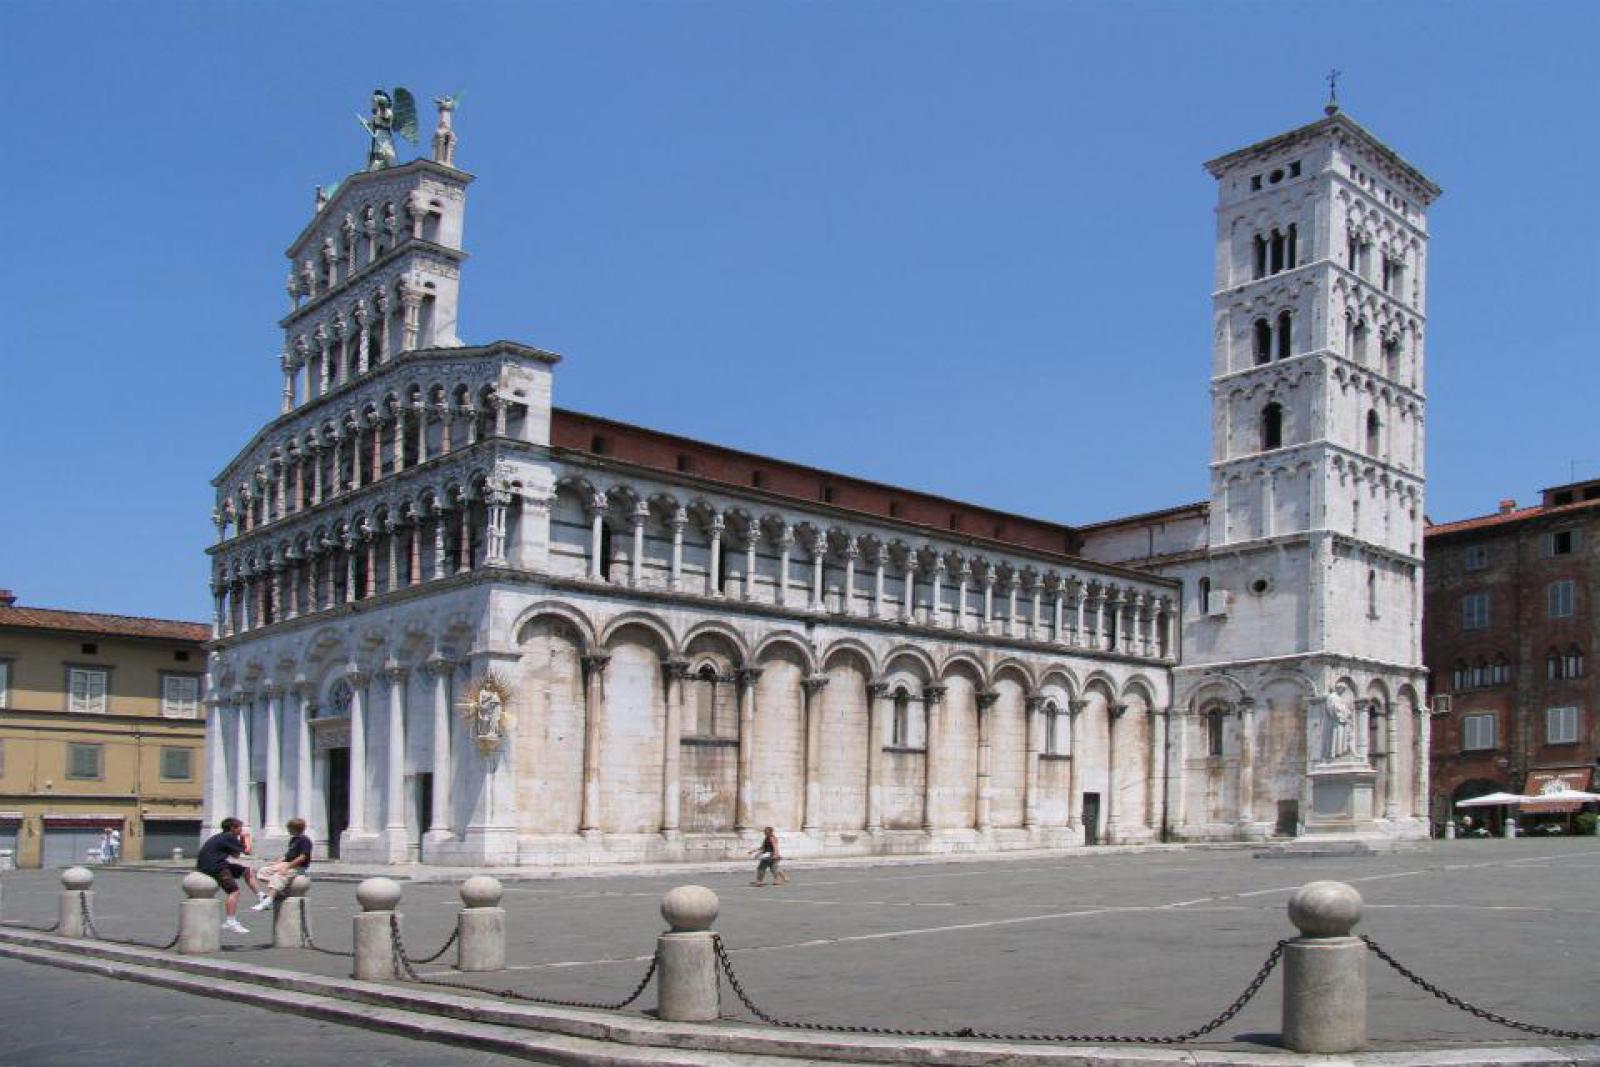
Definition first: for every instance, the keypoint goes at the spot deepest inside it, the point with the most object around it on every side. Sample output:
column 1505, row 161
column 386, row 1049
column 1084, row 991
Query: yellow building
column 101, row 727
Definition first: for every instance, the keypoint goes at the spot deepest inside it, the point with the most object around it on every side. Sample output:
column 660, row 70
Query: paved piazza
column 1106, row 941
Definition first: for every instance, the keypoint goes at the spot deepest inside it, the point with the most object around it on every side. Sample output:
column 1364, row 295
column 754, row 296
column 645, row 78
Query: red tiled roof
column 88, row 622
column 1483, row 522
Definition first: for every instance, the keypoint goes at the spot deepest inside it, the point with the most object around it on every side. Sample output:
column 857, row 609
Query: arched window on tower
column 1285, row 334
column 605, row 551
column 1259, row 247
column 900, row 728
column 705, row 701
column 1372, row 593
column 1263, row 334
column 1204, row 591
column 1358, row 341
column 1352, row 252
column 1374, row 432
column 1278, row 243
column 1573, row 662
column 1292, row 256
column 1272, row 426
column 1391, row 356
column 1216, row 722
column 1052, row 728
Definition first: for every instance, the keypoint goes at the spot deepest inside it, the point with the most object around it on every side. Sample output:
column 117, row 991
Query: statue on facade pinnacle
column 444, row 135
column 391, row 115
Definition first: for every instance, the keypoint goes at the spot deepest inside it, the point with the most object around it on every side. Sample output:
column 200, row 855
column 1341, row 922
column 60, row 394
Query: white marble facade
column 685, row 661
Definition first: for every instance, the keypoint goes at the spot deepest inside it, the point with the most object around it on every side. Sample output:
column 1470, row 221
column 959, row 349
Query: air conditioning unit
column 1441, row 704
column 1218, row 603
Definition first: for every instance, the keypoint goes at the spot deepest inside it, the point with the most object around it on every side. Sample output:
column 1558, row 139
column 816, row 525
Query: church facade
column 457, row 624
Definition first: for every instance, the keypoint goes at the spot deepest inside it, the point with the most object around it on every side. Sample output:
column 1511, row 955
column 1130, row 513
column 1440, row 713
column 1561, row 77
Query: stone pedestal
column 76, row 899
column 199, row 916
column 1325, row 972
column 1341, row 799
column 481, row 927
column 686, row 977
column 289, row 916
column 374, row 931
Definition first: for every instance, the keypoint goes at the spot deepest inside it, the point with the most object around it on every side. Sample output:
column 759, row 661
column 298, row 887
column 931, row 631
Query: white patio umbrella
column 1491, row 800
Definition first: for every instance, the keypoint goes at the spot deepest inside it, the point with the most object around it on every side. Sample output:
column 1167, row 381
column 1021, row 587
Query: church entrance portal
column 338, row 793
column 1091, row 818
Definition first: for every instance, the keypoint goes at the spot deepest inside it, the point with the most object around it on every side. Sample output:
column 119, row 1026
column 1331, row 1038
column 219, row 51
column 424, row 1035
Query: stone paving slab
column 1104, row 941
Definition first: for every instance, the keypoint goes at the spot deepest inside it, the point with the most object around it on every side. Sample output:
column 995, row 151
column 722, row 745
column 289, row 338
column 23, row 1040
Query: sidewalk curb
column 613, row 1038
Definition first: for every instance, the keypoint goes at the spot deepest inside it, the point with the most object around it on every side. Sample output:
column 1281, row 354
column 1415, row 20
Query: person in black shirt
column 296, row 860
column 216, row 859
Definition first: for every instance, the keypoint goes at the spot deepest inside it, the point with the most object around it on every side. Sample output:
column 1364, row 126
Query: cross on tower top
column 1333, row 91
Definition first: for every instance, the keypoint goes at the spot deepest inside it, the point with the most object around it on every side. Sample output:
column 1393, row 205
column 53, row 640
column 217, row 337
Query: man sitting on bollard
column 216, row 860
column 296, row 860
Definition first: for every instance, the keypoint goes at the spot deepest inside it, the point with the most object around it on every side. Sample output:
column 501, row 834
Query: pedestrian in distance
column 104, row 855
column 114, row 837
column 217, row 860
column 296, row 861
column 771, row 857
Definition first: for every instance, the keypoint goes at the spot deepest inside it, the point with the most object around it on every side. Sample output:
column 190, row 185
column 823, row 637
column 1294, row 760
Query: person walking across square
column 770, row 859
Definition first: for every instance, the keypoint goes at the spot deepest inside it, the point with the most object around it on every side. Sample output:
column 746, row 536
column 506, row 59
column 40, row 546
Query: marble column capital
column 814, row 683
column 986, row 699
column 748, row 675
column 675, row 669
column 877, row 689
column 933, row 694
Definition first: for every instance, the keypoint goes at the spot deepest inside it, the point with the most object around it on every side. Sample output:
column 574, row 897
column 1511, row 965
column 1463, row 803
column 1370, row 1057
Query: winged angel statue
column 391, row 115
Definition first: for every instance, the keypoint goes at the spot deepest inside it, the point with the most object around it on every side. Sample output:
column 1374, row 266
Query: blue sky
column 963, row 247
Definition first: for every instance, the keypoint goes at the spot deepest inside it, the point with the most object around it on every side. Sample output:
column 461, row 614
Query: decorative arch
column 1017, row 669
column 849, row 645
column 1140, row 686
column 577, row 619
column 965, row 661
column 640, row 620
column 717, row 628
column 790, row 640
column 923, row 661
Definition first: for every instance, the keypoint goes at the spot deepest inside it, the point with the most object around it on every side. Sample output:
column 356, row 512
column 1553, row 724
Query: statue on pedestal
column 391, row 115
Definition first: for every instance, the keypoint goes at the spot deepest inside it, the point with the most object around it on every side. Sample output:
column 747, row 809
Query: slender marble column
column 1074, row 767
column 273, row 783
column 440, row 670
column 1180, row 768
column 850, row 554
column 877, row 585
column 936, row 593
column 1247, row 762
column 677, row 672
column 216, row 798
column 963, row 578
column 243, row 704
column 932, row 701
column 394, row 811
column 785, row 543
column 1011, row 607
column 1060, row 616
column 877, row 709
column 299, row 693
column 909, row 611
column 1152, row 780
column 358, row 750
column 819, row 557
column 1419, row 763
column 714, row 566
column 1113, row 805
column 1030, row 758
column 750, row 562
column 680, row 519
column 744, row 806
column 641, row 514
column 988, row 603
column 983, row 814
column 1079, row 638
column 594, row 703
column 811, row 820
column 597, row 530
column 1391, row 763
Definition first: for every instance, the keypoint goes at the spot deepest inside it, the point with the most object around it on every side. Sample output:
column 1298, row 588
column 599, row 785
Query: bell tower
column 1317, row 373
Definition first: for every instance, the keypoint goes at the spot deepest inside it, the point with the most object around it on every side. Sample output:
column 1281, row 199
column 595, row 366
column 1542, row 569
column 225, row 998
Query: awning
column 82, row 822
column 1548, row 791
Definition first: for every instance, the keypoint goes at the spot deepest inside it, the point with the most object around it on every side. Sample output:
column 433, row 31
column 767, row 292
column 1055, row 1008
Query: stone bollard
column 199, row 916
column 686, row 977
column 8, row 859
column 1325, row 972
column 481, row 929
column 177, row 855
column 76, row 899
column 1450, row 830
column 374, row 934
column 1510, row 828
column 289, row 917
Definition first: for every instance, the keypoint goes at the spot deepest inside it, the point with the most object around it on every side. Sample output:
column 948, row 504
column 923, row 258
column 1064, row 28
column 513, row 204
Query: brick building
column 1510, row 624
column 99, row 729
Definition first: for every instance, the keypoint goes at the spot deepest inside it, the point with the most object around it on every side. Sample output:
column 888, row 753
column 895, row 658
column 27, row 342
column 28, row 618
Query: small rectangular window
column 757, row 480
column 827, row 494
column 1255, row 183
column 1561, row 543
column 685, row 464
column 177, row 764
column 1294, row 169
column 1477, row 732
column 86, row 690
column 599, row 445
column 1561, row 726
column 180, row 656
column 1477, row 557
column 89, row 648
column 1475, row 611
column 180, row 696
column 1560, row 594
column 85, row 762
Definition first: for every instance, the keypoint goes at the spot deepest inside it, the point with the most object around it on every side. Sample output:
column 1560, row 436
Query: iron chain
column 1472, row 1009
column 89, row 927
column 405, row 965
column 1227, row 1013
column 307, row 941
